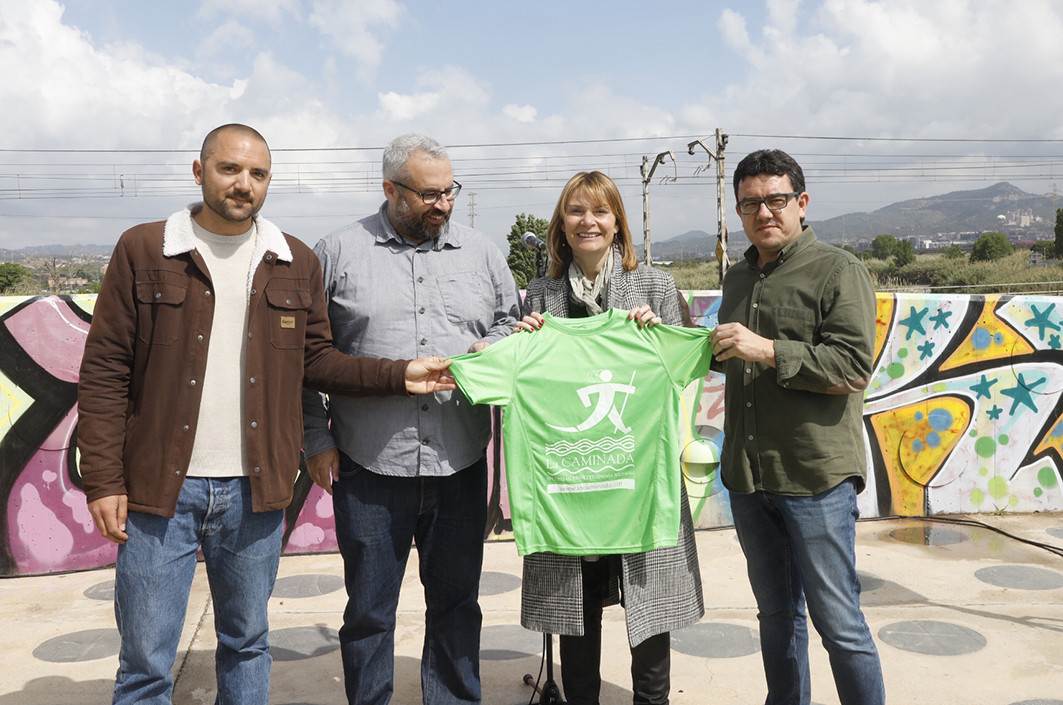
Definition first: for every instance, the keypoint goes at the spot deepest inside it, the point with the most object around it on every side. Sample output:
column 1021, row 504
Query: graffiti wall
column 964, row 415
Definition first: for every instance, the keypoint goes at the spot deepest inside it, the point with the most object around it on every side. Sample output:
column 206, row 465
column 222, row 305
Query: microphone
column 532, row 242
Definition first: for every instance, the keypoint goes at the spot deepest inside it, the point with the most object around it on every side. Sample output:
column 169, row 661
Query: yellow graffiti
column 886, row 306
column 916, row 440
column 991, row 338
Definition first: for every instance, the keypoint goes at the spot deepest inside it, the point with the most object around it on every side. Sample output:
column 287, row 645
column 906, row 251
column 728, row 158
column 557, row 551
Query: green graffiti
column 1046, row 476
column 977, row 497
column 998, row 487
column 895, row 370
column 985, row 447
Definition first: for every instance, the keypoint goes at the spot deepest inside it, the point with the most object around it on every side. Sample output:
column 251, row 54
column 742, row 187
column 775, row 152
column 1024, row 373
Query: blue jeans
column 153, row 577
column 802, row 549
column 377, row 519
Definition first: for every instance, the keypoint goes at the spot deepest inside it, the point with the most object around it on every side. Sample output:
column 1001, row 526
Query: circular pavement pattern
column 100, row 591
column 307, row 585
column 716, row 640
column 506, row 642
column 1020, row 577
column 1056, row 531
column 928, row 536
column 932, row 638
column 298, row 643
column 495, row 583
column 87, row 645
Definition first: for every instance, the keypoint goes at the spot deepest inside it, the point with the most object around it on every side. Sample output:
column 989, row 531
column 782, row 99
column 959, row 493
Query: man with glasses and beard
column 410, row 470
column 796, row 339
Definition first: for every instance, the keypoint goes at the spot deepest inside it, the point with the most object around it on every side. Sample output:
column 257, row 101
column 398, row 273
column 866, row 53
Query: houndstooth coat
column 662, row 587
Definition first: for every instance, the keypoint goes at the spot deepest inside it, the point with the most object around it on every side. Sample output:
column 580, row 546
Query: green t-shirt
column 590, row 429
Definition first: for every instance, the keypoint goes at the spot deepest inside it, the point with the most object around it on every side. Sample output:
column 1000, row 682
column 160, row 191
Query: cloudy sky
column 105, row 102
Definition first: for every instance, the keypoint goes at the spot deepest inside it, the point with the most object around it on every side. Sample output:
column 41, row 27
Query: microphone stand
column 549, row 693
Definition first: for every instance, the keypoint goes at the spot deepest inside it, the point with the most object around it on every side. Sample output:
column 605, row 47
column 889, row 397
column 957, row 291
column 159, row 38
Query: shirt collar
column 450, row 237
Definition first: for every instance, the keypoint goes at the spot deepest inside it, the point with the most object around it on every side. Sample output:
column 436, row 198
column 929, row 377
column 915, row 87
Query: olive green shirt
column 795, row 429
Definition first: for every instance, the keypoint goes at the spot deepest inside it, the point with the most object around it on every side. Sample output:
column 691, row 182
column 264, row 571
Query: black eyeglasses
column 774, row 202
column 431, row 198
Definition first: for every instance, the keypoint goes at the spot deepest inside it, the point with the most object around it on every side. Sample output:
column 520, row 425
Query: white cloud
column 273, row 12
column 952, row 68
column 445, row 94
column 520, row 113
column 350, row 25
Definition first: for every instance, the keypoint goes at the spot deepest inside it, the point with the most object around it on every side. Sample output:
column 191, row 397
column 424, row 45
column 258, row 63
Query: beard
column 417, row 229
column 220, row 204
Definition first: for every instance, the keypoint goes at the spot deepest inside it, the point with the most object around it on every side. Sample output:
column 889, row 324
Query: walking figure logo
column 606, row 392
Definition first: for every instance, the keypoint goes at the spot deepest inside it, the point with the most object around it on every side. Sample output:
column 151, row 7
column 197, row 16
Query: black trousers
column 581, row 656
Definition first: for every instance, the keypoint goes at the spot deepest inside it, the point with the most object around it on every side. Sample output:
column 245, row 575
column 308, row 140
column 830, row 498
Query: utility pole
column 472, row 209
column 647, row 174
column 721, row 214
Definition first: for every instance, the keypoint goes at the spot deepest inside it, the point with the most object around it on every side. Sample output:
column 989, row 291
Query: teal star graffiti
column 994, row 413
column 1021, row 393
column 914, row 322
column 982, row 388
column 926, row 350
column 1053, row 342
column 941, row 318
column 1040, row 320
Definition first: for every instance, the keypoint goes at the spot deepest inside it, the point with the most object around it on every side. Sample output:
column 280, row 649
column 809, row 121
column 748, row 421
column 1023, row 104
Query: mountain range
column 957, row 215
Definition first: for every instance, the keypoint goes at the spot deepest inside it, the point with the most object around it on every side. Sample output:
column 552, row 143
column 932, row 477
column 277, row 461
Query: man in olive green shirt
column 796, row 337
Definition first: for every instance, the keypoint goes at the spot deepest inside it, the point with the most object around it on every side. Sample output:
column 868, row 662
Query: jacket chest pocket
column 159, row 311
column 287, row 316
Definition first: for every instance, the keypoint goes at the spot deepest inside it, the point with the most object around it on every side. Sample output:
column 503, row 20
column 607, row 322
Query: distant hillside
column 58, row 250
column 689, row 245
column 1001, row 207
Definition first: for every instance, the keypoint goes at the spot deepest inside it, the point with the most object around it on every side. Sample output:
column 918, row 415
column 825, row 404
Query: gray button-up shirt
column 388, row 298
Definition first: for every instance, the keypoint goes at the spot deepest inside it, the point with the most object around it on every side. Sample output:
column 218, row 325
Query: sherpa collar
column 178, row 238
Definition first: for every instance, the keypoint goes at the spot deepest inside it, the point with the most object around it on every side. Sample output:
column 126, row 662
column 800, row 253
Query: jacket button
column 425, row 442
column 424, row 407
column 424, row 341
column 250, row 335
column 158, row 295
column 206, row 293
column 420, row 310
column 254, row 424
column 193, row 383
column 252, row 380
column 257, row 470
column 185, row 427
column 254, row 291
column 288, row 302
column 199, row 337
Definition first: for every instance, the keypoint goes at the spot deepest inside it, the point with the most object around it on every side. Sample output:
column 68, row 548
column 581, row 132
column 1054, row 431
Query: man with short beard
column 414, row 470
column 206, row 327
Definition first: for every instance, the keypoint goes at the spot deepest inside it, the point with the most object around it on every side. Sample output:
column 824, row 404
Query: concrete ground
column 961, row 612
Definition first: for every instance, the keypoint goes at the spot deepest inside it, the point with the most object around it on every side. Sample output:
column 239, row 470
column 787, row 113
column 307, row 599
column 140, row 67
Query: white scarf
column 585, row 291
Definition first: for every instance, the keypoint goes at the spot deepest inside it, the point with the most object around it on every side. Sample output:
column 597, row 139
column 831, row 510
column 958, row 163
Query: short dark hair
column 770, row 161
column 210, row 141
